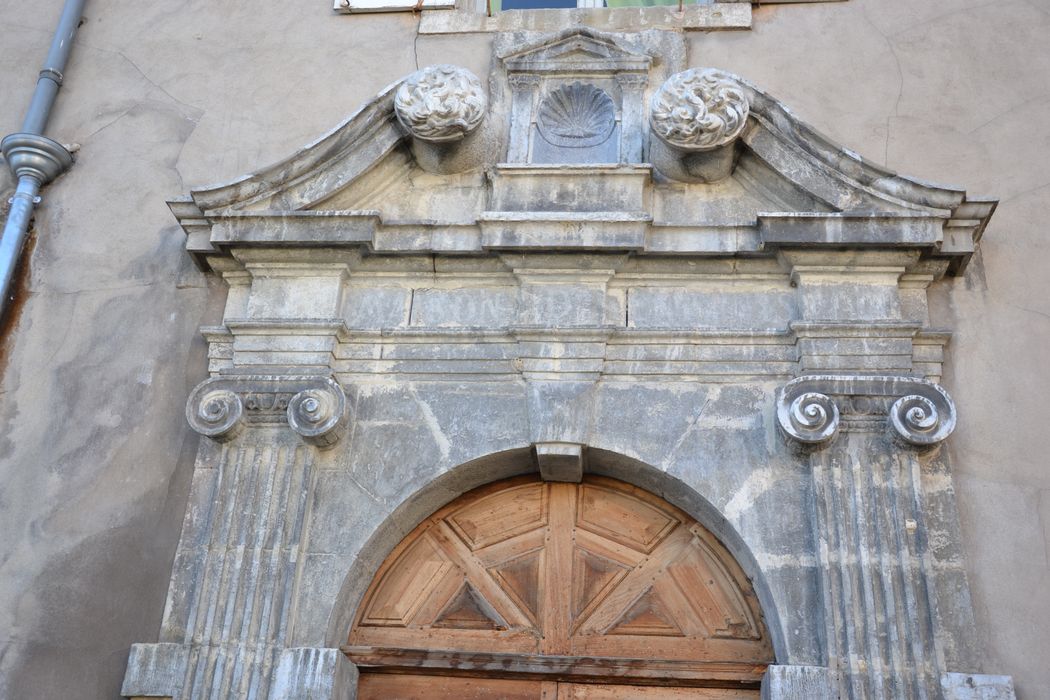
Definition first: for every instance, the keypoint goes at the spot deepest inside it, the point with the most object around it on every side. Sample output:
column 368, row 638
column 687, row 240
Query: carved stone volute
column 441, row 108
column 215, row 412
column 314, row 407
column 440, row 103
column 812, row 409
column 697, row 116
column 318, row 414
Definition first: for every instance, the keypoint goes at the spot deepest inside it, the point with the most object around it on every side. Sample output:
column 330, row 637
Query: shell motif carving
column 440, row 103
column 699, row 109
column 577, row 115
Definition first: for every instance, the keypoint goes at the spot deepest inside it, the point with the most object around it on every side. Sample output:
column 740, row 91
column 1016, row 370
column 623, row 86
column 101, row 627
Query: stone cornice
column 541, row 231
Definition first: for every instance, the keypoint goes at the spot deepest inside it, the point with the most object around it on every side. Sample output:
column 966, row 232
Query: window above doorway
column 460, row 16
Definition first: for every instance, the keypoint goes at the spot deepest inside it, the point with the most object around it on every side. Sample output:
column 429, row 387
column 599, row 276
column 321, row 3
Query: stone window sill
column 693, row 17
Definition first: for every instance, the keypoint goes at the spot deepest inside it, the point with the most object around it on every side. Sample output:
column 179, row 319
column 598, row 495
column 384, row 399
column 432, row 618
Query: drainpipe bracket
column 36, row 156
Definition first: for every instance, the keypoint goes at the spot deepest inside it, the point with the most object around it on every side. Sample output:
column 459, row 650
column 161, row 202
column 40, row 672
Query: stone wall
column 96, row 459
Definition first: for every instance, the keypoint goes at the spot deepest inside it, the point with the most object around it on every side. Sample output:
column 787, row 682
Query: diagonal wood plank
column 476, row 574
column 605, row 616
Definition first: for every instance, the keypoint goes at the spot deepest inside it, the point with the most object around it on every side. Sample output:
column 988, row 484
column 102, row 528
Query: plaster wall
column 102, row 350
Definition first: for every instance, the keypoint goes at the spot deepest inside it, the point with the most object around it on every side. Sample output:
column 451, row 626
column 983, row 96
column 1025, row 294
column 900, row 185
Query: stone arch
column 447, row 487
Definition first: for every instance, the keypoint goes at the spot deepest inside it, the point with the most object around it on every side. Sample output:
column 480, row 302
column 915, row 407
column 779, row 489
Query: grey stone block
column 155, row 671
column 560, row 461
column 799, row 683
column 307, row 673
column 975, row 686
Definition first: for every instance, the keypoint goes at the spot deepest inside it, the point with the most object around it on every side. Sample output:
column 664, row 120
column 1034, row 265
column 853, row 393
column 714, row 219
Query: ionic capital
column 314, row 407
column 811, row 409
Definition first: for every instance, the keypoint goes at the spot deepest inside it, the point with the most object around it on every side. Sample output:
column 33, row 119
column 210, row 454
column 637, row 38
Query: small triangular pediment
column 578, row 48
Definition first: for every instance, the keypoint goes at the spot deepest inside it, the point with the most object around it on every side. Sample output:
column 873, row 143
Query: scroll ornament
column 215, row 412
column 316, row 414
column 808, row 408
column 699, row 109
column 440, row 103
column 314, row 407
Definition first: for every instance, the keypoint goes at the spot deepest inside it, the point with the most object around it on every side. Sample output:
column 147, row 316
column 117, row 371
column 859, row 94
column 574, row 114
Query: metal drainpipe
column 35, row 159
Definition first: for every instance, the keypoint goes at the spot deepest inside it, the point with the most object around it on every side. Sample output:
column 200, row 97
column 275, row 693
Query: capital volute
column 221, row 408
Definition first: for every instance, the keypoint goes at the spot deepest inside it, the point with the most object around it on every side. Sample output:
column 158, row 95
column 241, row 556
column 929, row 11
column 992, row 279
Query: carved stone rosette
column 314, row 407
column 440, row 103
column 810, row 409
column 699, row 109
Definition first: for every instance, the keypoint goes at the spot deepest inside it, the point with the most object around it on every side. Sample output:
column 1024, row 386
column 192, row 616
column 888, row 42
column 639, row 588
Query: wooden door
column 561, row 582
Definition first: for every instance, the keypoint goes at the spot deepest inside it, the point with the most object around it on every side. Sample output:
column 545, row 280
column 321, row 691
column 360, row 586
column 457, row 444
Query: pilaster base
column 799, row 683
column 975, row 686
column 314, row 674
column 155, row 671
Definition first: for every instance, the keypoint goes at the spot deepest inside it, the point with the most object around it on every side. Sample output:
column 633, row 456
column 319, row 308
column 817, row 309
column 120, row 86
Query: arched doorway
column 525, row 589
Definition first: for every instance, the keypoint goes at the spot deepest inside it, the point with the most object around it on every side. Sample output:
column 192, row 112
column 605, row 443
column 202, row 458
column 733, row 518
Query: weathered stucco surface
column 95, row 455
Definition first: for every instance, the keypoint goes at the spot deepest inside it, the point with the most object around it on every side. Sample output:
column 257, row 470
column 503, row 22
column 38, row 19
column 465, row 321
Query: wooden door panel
column 561, row 573
column 619, row 515
column 392, row 686
column 589, row 691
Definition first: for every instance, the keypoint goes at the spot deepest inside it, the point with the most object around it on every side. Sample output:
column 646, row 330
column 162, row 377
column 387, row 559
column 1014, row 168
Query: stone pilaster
column 868, row 518
column 632, row 116
column 864, row 436
column 523, row 89
column 230, row 602
column 797, row 682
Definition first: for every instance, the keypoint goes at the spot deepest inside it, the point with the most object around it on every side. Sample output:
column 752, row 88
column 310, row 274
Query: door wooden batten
column 565, row 590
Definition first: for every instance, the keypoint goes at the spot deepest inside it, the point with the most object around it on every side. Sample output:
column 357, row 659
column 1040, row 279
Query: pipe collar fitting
column 36, row 156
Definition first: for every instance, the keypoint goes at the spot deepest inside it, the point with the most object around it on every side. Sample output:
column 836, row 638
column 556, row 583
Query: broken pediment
column 580, row 141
